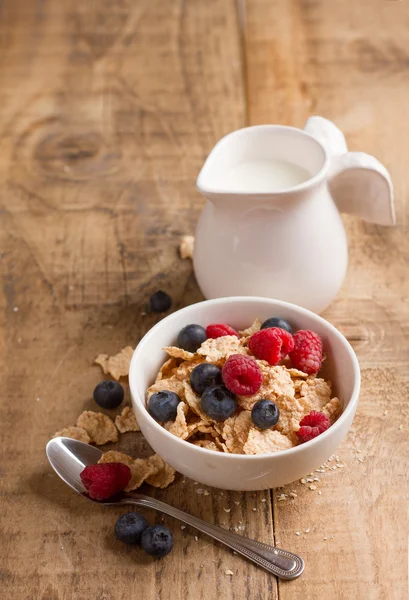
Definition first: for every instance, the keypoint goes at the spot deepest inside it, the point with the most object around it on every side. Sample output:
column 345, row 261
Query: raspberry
column 272, row 344
column 312, row 425
column 216, row 330
column 241, row 375
column 105, row 480
column 307, row 352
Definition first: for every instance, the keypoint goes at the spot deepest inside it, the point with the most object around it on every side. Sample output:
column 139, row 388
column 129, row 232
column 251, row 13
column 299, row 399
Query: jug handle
column 358, row 182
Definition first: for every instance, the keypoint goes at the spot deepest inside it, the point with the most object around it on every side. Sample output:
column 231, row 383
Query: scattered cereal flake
column 167, row 369
column 75, row 433
column 264, row 442
column 219, row 349
column 303, row 480
column 164, row 475
column 385, row 412
column 126, row 421
column 227, row 509
column 172, row 384
column 308, row 530
column 315, row 394
column 186, row 246
column 312, row 487
column 196, row 538
column 206, row 493
column 141, row 469
column 332, row 410
column 183, row 526
column 117, row 365
column 179, row 426
column 114, row 456
column 297, row 533
column 293, row 494
column 208, row 444
column 176, row 352
column 254, row 509
column 401, row 426
column 320, row 492
column 228, row 572
column 254, row 327
column 100, row 428
column 193, row 401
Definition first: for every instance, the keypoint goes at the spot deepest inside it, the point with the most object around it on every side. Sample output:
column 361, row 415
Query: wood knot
column 75, row 156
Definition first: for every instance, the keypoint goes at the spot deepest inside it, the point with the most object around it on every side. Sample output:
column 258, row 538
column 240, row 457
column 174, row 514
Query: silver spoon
column 69, row 457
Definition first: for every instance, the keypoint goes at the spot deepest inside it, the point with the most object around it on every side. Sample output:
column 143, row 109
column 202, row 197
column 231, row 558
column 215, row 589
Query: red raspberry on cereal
column 242, row 375
column 312, row 425
column 307, row 353
column 271, row 344
column 216, row 330
column 105, row 480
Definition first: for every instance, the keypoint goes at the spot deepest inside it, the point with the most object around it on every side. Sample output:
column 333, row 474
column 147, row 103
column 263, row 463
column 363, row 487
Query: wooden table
column 108, row 110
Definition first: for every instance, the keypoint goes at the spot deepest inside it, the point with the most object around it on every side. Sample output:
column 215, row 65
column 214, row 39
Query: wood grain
column 350, row 64
column 108, row 110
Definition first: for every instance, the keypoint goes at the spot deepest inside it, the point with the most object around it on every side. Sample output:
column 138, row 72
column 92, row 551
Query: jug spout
column 358, row 182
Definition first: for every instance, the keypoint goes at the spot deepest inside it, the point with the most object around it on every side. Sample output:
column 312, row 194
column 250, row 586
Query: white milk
column 264, row 175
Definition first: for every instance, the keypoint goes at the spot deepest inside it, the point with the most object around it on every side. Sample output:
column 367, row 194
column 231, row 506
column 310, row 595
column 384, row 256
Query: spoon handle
column 281, row 563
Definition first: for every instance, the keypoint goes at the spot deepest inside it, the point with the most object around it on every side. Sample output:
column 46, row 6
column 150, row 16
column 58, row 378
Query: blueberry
column 265, row 414
column 277, row 322
column 191, row 337
column 218, row 402
column 160, row 302
column 205, row 375
column 129, row 528
column 157, row 540
column 162, row 406
column 109, row 394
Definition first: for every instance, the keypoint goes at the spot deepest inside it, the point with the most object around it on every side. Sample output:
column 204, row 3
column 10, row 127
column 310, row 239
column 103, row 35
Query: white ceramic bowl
column 236, row 471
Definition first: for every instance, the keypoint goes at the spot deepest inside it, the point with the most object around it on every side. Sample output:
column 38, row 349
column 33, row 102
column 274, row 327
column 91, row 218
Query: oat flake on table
column 100, row 428
column 117, row 365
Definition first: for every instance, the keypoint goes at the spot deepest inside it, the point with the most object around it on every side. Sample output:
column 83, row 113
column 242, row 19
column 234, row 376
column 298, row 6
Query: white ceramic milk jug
column 272, row 224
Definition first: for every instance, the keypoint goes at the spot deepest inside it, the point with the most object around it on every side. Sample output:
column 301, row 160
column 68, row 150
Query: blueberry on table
column 218, row 403
column 205, row 375
column 277, row 322
column 191, row 337
column 265, row 414
column 109, row 394
column 160, row 302
column 129, row 528
column 162, row 406
column 157, row 540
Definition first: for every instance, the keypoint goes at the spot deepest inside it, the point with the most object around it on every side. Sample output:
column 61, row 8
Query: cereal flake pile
column 99, row 429
column 294, row 392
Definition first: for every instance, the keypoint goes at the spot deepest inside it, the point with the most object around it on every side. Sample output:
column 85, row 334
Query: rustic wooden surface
column 107, row 111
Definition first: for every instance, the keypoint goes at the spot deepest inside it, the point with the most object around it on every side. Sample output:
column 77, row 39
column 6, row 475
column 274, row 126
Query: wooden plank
column 108, row 110
column 349, row 62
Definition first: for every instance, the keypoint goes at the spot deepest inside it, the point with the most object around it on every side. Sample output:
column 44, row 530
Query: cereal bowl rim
column 350, row 407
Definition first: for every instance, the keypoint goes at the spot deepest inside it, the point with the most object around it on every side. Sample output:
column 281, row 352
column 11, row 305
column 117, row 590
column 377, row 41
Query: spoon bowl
column 69, row 457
